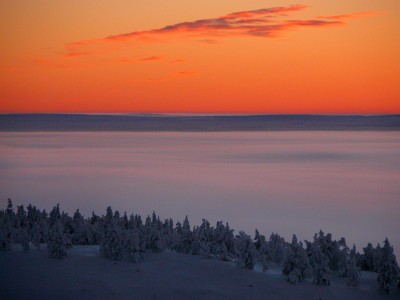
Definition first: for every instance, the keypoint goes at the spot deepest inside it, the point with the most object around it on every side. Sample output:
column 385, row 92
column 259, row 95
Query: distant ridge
column 209, row 123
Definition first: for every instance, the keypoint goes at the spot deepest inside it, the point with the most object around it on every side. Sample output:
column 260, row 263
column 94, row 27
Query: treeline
column 123, row 237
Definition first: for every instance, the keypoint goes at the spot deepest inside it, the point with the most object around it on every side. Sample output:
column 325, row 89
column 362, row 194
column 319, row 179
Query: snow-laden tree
column 330, row 248
column 296, row 262
column 184, row 238
column 388, row 269
column 82, row 231
column 370, row 258
column 153, row 237
column 157, row 243
column 278, row 247
column 343, row 259
column 177, row 236
column 56, row 243
column 229, row 241
column 10, row 208
column 124, row 223
column 353, row 272
column 6, row 229
column 44, row 227
column 222, row 244
column 319, row 263
column 321, row 270
column 54, row 215
column 246, row 251
column 167, row 231
column 9, row 213
column 5, row 241
column 133, row 248
column 33, row 216
column 68, row 225
column 201, row 239
column 112, row 245
column 20, row 218
column 264, row 253
column 135, row 222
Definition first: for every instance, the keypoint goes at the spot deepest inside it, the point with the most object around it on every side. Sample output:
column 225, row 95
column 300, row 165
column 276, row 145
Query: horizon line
column 200, row 114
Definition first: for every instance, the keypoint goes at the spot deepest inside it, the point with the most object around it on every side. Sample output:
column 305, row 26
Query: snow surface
column 84, row 274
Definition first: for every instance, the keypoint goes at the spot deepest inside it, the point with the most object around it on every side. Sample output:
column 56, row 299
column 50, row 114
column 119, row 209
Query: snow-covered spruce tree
column 10, row 209
column 68, row 225
column 388, row 269
column 132, row 245
column 330, row 248
column 56, row 243
column 177, row 237
column 44, row 227
column 353, row 272
column 228, row 244
column 186, row 236
column 20, row 226
column 157, row 243
column 264, row 253
column 319, row 263
column 200, row 245
column 33, row 216
column 54, row 215
column 124, row 221
column 6, row 226
column 218, row 246
column 5, row 231
column 342, row 257
column 96, row 227
column 112, row 246
column 246, row 251
column 222, row 245
column 167, row 232
column 82, row 231
column 183, row 238
column 202, row 239
column 277, row 245
column 154, row 239
column 370, row 258
column 321, row 270
column 296, row 262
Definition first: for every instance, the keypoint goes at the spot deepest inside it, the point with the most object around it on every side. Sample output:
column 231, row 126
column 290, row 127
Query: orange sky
column 200, row 56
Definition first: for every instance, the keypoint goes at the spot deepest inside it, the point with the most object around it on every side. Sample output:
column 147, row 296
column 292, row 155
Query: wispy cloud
column 263, row 11
column 140, row 60
column 265, row 22
column 150, row 58
column 352, row 16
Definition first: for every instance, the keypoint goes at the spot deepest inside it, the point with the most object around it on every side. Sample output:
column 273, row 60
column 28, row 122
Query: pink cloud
column 263, row 12
column 265, row 22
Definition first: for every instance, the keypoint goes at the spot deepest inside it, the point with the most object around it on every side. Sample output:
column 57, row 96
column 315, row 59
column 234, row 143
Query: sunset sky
column 210, row 56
